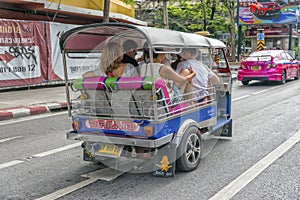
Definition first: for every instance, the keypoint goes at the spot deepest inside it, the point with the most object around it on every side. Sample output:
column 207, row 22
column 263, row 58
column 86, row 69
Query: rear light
column 242, row 66
column 271, row 65
column 148, row 131
column 75, row 125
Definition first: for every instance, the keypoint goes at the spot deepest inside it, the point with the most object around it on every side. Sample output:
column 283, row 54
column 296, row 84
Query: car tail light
column 148, row 130
column 75, row 125
column 271, row 65
column 242, row 66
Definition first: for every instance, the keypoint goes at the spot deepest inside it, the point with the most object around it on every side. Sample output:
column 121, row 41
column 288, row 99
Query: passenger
column 130, row 49
column 175, row 63
column 167, row 73
column 204, row 76
column 110, row 63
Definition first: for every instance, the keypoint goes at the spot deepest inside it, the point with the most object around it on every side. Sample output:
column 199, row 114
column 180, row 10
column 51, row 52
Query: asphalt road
column 261, row 161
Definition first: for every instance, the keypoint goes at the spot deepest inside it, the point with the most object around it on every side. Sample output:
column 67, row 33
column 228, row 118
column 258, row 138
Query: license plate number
column 110, row 150
column 255, row 67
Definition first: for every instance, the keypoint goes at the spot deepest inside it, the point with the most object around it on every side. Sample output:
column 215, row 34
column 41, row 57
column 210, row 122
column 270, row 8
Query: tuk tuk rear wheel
column 189, row 150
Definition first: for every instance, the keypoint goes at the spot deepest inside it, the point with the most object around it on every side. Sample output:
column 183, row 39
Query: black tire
column 189, row 151
column 283, row 77
column 245, row 82
column 298, row 75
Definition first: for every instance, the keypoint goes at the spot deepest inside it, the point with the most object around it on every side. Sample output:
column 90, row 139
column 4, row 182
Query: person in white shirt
column 167, row 73
column 204, row 76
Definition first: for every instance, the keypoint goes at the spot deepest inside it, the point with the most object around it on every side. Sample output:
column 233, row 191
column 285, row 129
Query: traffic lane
column 38, row 177
column 240, row 90
column 251, row 101
column 33, row 135
column 256, row 134
column 279, row 181
column 215, row 169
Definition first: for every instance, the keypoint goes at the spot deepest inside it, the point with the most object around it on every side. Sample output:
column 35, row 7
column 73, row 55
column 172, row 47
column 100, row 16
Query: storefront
column 274, row 37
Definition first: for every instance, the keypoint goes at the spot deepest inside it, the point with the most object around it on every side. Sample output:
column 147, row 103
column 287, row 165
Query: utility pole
column 298, row 28
column 106, row 8
column 165, row 14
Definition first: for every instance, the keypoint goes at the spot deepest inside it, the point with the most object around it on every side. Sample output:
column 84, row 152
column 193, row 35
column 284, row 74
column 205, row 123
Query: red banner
column 23, row 53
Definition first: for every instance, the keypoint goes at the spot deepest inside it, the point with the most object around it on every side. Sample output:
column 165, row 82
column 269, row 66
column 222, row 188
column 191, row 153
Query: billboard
column 23, row 53
column 261, row 12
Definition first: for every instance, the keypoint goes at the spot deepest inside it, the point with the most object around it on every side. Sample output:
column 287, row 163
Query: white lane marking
column 242, row 97
column 32, row 117
column 106, row 174
column 9, row 164
column 12, row 138
column 4, row 165
column 47, row 153
column 262, row 91
column 240, row 182
column 255, row 93
column 67, row 190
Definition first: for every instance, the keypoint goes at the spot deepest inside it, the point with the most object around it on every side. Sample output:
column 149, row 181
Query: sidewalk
column 31, row 101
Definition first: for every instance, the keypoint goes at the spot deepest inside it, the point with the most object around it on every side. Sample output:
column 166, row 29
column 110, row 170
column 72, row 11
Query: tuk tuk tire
column 189, row 154
column 245, row 82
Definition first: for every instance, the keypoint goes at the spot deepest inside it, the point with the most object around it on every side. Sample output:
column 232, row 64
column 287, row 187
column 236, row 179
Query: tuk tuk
column 137, row 123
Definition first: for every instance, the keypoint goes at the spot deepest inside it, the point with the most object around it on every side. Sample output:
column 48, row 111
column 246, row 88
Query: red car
column 265, row 8
column 269, row 65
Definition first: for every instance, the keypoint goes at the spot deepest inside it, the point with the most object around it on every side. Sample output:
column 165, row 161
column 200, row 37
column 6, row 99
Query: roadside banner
column 22, row 45
column 76, row 67
column 55, row 30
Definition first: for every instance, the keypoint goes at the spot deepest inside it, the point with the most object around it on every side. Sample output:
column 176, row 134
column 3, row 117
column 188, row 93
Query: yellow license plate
column 110, row 150
column 255, row 67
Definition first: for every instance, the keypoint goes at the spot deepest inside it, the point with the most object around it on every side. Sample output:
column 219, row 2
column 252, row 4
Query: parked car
column 265, row 8
column 268, row 65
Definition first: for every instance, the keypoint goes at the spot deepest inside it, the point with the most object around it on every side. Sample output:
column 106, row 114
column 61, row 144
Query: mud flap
column 164, row 161
column 227, row 130
column 87, row 156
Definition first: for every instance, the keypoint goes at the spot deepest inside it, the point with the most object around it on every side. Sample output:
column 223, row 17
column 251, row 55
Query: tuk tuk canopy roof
column 88, row 37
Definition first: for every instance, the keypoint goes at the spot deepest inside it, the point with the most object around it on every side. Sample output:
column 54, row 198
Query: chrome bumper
column 90, row 137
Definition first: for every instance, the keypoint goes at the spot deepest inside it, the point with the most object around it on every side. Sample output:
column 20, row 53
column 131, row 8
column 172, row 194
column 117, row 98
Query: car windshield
column 262, row 1
column 262, row 56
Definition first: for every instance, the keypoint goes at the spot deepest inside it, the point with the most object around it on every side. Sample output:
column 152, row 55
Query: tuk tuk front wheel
column 189, row 150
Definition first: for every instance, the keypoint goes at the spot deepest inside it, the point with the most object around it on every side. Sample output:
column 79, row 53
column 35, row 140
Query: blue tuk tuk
column 139, row 121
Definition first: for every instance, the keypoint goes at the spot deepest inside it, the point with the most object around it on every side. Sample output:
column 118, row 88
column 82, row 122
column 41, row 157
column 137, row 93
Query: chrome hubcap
column 193, row 149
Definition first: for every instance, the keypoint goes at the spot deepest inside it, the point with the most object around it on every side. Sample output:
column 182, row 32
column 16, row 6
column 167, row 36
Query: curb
column 24, row 111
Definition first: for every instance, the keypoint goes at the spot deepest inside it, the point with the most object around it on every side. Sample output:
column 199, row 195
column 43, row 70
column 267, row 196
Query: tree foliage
column 204, row 15
column 191, row 17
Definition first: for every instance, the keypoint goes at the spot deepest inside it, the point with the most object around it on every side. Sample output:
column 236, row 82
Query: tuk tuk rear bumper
column 92, row 137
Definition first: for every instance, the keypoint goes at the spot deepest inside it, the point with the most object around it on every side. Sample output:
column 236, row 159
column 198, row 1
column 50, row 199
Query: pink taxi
column 268, row 65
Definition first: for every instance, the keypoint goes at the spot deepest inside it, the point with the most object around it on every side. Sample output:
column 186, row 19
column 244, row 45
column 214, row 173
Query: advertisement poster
column 76, row 67
column 22, row 45
column 260, row 12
